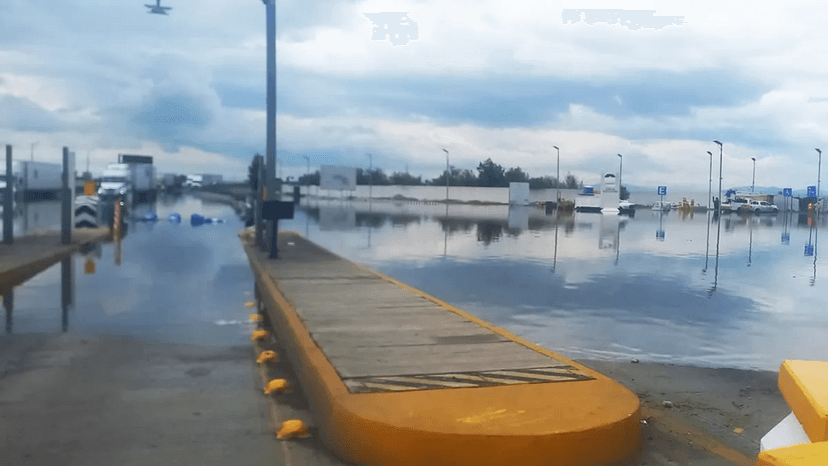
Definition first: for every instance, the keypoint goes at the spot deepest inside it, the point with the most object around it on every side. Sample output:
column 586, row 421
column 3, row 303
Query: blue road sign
column 662, row 190
column 660, row 235
column 809, row 250
column 811, row 191
column 787, row 192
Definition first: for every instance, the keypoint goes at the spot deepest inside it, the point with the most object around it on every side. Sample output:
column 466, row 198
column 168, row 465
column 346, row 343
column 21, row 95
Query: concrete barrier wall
column 436, row 193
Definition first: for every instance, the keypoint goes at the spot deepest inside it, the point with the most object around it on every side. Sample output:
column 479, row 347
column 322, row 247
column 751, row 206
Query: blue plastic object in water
column 174, row 217
column 149, row 217
column 196, row 220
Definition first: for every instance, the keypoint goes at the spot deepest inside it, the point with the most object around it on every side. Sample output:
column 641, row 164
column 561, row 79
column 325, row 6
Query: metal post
column 710, row 182
column 260, row 227
column 271, row 107
column 753, row 182
column 720, row 172
column 819, row 173
column 558, row 180
column 448, row 173
column 66, row 202
column 8, row 200
column 260, row 171
column 307, row 177
column 620, row 173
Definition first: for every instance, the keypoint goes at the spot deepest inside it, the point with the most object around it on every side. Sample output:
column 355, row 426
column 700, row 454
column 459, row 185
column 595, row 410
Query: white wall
column 435, row 193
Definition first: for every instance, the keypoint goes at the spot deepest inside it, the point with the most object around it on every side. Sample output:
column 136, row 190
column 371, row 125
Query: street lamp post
column 710, row 181
column 448, row 173
column 620, row 173
column 720, row 172
column 270, row 165
column 558, row 180
column 819, row 172
column 753, row 182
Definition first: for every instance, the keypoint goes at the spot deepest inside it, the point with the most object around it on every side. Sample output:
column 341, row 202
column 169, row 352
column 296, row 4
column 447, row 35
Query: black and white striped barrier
column 86, row 212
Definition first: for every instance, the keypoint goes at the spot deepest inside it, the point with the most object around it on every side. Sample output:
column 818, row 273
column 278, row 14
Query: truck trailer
column 141, row 176
column 33, row 180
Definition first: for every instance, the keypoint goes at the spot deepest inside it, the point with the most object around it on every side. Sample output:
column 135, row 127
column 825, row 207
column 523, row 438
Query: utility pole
column 448, row 173
column 32, row 154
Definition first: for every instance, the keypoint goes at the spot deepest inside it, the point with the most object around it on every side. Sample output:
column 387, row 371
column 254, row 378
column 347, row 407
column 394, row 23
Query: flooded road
column 174, row 282
column 595, row 286
column 650, row 287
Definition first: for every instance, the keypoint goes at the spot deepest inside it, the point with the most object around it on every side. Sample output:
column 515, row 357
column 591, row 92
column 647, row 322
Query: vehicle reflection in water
column 566, row 281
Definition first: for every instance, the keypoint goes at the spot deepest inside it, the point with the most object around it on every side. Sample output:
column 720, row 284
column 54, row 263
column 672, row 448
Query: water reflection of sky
column 591, row 285
column 175, row 282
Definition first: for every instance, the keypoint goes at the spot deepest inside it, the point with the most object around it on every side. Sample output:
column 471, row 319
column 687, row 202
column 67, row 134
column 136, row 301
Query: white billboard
column 339, row 178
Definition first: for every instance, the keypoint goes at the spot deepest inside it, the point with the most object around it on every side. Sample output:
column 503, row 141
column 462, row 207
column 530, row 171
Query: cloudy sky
column 499, row 79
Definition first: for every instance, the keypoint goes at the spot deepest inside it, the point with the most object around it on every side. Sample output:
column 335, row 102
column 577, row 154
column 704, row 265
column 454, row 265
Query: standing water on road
column 174, row 282
column 651, row 286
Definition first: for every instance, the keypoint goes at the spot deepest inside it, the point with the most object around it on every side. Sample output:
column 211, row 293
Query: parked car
column 759, row 207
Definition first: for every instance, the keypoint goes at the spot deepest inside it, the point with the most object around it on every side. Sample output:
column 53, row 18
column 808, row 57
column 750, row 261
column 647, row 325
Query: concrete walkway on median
column 397, row 377
column 29, row 255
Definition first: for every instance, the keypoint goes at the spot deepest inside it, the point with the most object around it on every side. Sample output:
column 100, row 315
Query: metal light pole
column 710, row 182
column 620, row 172
column 448, row 173
column 819, row 172
column 558, row 179
column 753, row 183
column 370, row 177
column 720, row 173
column 270, row 172
column 32, row 154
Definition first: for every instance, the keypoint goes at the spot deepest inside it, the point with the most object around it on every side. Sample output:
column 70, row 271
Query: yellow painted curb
column 804, row 384
column 590, row 422
column 806, row 454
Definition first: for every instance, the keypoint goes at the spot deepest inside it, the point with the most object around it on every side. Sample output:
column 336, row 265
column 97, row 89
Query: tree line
column 487, row 174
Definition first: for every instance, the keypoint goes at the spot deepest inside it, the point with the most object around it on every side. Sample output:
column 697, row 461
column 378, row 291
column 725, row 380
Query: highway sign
column 662, row 190
column 787, row 192
column 811, row 191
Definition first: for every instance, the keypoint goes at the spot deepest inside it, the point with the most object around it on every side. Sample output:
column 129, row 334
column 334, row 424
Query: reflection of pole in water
column 750, row 245
column 716, row 272
column 707, row 244
column 67, row 283
column 8, row 305
column 816, row 241
column 617, row 242
column 555, row 254
column 445, row 239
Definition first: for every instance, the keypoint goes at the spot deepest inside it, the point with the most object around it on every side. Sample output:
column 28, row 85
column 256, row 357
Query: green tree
column 309, row 179
column 571, row 182
column 252, row 172
column 404, row 179
column 624, row 194
column 491, row 174
column 516, row 175
column 546, row 182
column 374, row 176
column 458, row 178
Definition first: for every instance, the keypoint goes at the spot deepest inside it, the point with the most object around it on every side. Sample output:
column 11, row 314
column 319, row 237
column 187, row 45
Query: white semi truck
column 132, row 178
column 33, row 180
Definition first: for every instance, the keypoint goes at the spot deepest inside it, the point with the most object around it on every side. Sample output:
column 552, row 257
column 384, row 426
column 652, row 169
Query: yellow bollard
column 276, row 386
column 293, row 428
column 267, row 356
column 255, row 317
column 250, row 304
column 261, row 335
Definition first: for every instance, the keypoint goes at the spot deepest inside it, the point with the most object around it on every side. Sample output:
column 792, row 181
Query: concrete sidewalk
column 396, row 377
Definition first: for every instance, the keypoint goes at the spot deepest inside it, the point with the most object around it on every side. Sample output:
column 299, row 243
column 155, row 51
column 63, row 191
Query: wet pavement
column 651, row 286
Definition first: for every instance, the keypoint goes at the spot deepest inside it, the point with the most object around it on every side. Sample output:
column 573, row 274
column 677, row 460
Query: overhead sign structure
column 812, row 191
column 662, row 190
column 129, row 158
column 787, row 192
column 339, row 178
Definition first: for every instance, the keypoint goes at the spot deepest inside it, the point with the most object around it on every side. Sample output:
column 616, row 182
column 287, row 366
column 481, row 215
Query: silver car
column 759, row 207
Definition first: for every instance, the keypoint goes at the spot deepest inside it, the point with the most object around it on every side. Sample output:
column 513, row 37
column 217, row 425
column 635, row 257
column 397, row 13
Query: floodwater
column 746, row 292
column 171, row 282
column 656, row 287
